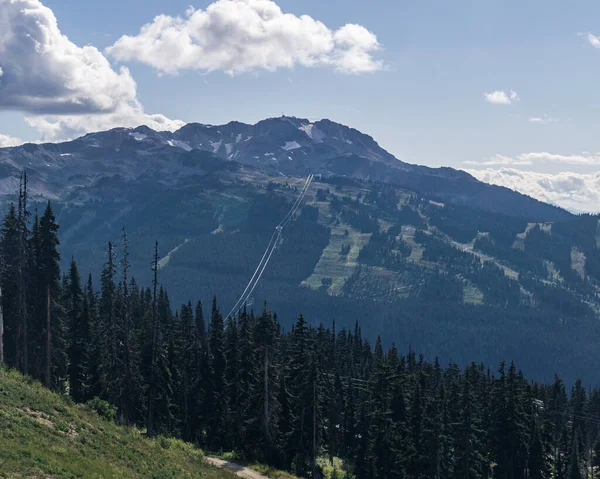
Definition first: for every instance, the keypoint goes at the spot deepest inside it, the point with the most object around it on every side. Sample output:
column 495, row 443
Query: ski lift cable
column 261, row 272
column 296, row 204
column 270, row 247
column 237, row 304
column 279, row 229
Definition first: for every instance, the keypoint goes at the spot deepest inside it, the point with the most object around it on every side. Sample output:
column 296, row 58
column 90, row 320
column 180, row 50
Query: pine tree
column 187, row 357
column 363, row 467
column 79, row 330
column 130, row 401
column 301, row 388
column 22, row 259
column 263, row 431
column 108, row 332
column 467, row 445
column 154, row 350
column 49, row 273
column 232, row 371
column 9, row 284
column 574, row 461
column 216, row 399
column 537, row 456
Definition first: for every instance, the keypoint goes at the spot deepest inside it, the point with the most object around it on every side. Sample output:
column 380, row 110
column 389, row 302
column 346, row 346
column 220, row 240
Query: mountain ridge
column 282, row 146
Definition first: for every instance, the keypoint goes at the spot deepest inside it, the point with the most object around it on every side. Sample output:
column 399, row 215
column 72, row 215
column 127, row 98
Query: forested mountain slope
column 414, row 256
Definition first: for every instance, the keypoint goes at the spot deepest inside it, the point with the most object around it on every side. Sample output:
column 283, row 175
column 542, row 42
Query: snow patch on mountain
column 138, row 136
column 216, row 145
column 291, row 145
column 313, row 132
column 179, row 144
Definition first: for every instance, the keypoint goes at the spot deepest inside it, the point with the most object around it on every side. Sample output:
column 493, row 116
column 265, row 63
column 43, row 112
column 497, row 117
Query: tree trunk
column 47, row 375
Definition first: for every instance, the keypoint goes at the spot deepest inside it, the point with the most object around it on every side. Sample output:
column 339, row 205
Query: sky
column 507, row 90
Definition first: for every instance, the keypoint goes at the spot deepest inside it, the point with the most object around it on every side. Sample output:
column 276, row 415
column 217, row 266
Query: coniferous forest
column 280, row 397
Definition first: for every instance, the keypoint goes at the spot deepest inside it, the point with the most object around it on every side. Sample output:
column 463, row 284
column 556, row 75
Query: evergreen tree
column 188, row 362
column 216, row 397
column 80, row 340
column 9, row 284
column 108, row 332
column 130, row 401
column 48, row 271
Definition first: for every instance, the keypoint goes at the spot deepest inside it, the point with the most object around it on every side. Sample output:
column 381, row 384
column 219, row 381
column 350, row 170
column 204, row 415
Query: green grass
column 471, row 294
column 337, row 470
column 416, row 250
column 42, row 434
column 333, row 265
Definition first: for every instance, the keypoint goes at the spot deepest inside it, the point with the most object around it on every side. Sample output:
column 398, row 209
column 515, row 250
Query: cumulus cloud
column 593, row 40
column 64, row 89
column 236, row 36
column 500, row 97
column 499, row 160
column 6, row 141
column 583, row 159
column 573, row 191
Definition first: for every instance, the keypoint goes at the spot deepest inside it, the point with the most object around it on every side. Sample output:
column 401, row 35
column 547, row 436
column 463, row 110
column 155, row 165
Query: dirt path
column 235, row 468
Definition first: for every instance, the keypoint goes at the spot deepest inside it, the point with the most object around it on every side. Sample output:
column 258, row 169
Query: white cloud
column 6, row 141
column 593, row 40
column 583, row 159
column 573, row 191
column 53, row 128
column 543, row 119
column 500, row 97
column 64, row 89
column 236, row 36
column 499, row 160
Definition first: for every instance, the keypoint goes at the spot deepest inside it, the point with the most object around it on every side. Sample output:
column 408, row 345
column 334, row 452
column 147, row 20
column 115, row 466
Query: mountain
column 428, row 258
column 283, row 146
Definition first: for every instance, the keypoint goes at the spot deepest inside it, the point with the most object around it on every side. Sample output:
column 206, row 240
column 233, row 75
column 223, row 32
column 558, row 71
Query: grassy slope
column 44, row 435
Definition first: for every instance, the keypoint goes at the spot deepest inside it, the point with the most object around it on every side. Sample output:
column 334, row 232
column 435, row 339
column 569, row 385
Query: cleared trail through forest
column 237, row 469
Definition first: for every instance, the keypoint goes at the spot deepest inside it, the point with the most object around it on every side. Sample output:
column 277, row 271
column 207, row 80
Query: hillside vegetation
column 44, row 435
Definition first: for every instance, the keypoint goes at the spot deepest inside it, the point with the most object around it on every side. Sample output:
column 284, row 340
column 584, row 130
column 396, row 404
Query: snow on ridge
column 179, row 144
column 307, row 128
column 66, row 154
column 313, row 132
column 138, row 136
column 216, row 145
column 291, row 145
column 238, row 138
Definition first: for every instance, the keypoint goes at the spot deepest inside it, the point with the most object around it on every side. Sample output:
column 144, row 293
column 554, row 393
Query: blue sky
column 425, row 102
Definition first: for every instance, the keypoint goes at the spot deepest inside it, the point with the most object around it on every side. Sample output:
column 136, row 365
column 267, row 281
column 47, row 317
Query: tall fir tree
column 216, row 395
